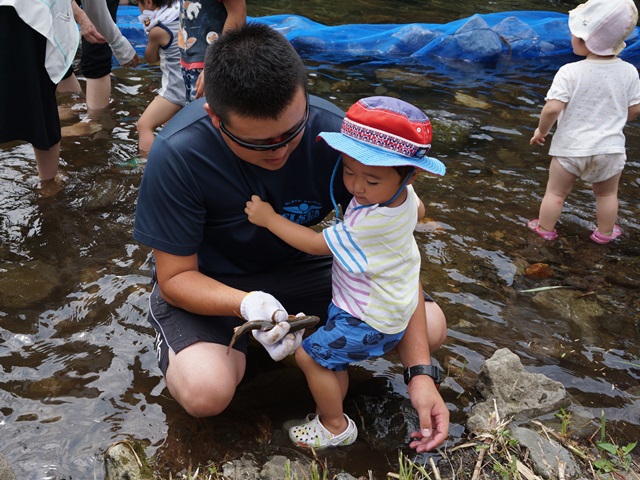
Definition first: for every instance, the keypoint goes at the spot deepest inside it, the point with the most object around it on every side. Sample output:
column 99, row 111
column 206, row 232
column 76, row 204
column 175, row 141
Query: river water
column 77, row 368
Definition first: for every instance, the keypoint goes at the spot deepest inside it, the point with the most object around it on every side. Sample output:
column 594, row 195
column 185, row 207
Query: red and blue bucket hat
column 386, row 132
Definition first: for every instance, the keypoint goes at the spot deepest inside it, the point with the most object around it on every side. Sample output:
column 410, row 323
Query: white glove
column 258, row 305
column 285, row 347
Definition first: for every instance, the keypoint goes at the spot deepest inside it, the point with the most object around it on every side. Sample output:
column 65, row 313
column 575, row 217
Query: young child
column 161, row 20
column 376, row 267
column 592, row 100
column 201, row 23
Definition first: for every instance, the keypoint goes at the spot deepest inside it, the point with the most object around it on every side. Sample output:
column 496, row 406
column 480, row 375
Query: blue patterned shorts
column 345, row 340
column 190, row 78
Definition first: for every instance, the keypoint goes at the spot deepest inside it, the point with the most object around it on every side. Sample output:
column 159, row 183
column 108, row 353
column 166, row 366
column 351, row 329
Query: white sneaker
column 313, row 434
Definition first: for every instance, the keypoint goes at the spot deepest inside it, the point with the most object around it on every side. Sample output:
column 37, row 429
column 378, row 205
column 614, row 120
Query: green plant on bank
column 313, row 474
column 506, row 470
column 409, row 470
column 565, row 419
column 613, row 457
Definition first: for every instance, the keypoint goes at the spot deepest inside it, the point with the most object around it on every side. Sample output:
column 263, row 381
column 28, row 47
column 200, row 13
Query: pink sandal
column 597, row 237
column 535, row 226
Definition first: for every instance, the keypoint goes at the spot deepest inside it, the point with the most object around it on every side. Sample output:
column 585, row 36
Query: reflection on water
column 77, row 367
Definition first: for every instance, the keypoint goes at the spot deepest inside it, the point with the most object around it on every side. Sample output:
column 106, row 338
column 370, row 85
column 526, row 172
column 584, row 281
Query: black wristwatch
column 431, row 370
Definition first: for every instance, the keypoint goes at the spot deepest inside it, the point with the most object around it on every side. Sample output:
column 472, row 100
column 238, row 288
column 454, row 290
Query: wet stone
column 30, row 284
column 569, row 304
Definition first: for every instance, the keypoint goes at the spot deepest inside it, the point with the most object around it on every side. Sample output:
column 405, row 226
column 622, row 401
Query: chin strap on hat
column 336, row 207
column 395, row 195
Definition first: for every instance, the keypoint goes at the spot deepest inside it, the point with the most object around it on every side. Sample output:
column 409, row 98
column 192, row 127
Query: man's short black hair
column 252, row 71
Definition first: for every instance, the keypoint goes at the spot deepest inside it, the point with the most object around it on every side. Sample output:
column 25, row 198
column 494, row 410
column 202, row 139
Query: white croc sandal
column 313, row 434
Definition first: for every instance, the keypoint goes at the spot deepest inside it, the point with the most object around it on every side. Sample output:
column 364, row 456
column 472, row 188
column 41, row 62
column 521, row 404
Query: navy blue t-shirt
column 194, row 191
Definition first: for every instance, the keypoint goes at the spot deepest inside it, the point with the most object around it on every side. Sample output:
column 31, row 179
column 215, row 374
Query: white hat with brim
column 604, row 24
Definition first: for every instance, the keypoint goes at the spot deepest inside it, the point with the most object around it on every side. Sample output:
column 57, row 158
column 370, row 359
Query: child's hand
column 200, row 85
column 258, row 211
column 538, row 138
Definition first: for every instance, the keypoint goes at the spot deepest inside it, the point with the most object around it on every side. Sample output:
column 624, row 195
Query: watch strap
column 431, row 370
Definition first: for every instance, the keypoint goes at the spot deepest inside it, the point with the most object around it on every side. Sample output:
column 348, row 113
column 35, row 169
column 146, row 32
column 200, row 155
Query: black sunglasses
column 269, row 144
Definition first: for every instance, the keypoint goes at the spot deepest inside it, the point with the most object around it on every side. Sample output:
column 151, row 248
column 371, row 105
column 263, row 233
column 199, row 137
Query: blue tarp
column 487, row 38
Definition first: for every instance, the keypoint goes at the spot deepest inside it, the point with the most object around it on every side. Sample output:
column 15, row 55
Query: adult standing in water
column 48, row 40
column 255, row 134
column 98, row 46
column 39, row 43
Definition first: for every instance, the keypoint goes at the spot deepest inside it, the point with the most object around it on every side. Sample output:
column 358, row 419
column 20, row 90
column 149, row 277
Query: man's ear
column 214, row 118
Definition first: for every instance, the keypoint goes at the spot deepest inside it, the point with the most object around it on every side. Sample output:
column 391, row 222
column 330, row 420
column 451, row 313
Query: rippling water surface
column 77, row 369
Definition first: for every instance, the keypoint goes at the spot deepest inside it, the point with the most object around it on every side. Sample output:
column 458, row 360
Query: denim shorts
column 345, row 340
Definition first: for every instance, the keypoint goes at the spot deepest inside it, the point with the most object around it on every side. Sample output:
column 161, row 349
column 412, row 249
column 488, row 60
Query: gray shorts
column 594, row 168
column 301, row 286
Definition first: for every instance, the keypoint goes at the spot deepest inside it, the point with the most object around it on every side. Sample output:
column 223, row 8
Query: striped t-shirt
column 376, row 263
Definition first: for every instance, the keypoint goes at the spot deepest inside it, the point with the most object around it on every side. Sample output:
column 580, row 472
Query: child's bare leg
column 559, row 187
column 47, row 162
column 157, row 113
column 326, row 388
column 343, row 379
column 606, row 194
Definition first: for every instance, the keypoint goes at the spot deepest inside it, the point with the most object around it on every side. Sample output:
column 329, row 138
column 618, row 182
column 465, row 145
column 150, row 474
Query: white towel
column 151, row 18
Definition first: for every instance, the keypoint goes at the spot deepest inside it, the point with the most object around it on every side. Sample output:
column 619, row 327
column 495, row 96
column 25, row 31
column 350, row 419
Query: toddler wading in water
column 161, row 19
column 376, row 261
column 591, row 100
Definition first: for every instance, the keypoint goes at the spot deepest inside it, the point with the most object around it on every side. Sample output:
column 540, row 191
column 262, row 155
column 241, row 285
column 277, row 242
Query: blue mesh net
column 480, row 38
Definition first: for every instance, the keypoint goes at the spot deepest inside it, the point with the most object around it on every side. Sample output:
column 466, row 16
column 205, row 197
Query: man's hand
column 278, row 342
column 432, row 411
column 283, row 348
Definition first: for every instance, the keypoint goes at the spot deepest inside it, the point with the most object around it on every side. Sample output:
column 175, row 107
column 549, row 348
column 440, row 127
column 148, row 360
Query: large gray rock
column 514, row 392
column 547, row 454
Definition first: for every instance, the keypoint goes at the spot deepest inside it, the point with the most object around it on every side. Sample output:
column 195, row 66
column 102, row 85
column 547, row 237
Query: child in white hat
column 376, row 261
column 592, row 100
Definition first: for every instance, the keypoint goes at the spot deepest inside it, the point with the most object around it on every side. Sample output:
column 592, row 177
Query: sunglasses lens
column 270, row 145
